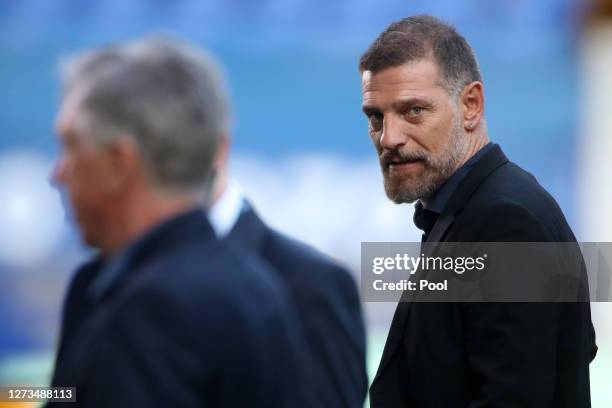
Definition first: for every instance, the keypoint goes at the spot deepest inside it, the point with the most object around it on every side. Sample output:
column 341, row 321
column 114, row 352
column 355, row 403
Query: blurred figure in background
column 324, row 295
column 166, row 315
column 424, row 99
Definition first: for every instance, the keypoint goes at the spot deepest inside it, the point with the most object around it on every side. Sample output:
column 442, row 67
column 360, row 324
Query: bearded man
column 423, row 95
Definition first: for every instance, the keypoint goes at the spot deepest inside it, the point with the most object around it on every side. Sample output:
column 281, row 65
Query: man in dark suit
column 323, row 293
column 423, row 97
column 166, row 315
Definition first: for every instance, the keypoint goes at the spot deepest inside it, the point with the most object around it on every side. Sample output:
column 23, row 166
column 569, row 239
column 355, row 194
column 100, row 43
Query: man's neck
column 220, row 185
column 140, row 216
column 475, row 143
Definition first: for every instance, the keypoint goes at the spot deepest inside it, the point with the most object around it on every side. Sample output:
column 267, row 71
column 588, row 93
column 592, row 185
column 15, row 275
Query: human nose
column 392, row 135
column 57, row 172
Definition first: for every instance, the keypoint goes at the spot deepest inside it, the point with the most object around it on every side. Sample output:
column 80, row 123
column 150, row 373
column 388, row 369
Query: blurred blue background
column 301, row 148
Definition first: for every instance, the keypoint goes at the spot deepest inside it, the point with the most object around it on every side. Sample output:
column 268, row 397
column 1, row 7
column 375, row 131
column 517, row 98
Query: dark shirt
column 425, row 217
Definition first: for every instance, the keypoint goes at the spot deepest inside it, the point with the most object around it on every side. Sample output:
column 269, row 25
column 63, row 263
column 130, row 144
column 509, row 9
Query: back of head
column 423, row 37
column 168, row 96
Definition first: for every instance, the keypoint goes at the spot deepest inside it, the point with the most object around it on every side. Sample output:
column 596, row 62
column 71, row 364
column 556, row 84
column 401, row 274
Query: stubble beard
column 436, row 170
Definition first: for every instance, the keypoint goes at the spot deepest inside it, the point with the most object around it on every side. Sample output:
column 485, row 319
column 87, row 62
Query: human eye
column 375, row 120
column 416, row 111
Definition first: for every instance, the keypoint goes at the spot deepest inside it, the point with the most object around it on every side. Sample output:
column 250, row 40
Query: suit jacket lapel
column 396, row 332
column 249, row 229
column 440, row 228
column 402, row 310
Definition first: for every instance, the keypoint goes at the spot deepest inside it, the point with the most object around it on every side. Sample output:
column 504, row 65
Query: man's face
column 416, row 128
column 80, row 170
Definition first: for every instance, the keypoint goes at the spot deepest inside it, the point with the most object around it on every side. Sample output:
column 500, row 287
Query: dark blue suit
column 328, row 310
column 183, row 320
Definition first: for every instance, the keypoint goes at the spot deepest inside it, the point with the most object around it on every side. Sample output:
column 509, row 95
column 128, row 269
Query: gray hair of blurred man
column 167, row 95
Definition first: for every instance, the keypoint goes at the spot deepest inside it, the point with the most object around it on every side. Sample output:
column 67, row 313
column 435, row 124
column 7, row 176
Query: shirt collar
column 424, row 219
column 225, row 212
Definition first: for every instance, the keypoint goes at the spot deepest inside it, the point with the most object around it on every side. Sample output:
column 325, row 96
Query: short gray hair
column 423, row 36
column 168, row 95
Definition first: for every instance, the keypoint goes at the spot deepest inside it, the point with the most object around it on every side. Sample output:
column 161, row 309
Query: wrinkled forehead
column 420, row 74
column 415, row 80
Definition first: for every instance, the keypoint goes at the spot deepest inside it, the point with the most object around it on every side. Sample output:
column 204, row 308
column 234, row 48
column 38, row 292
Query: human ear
column 120, row 165
column 472, row 105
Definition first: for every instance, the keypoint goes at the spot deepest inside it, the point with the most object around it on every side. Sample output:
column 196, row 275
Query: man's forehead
column 420, row 74
column 68, row 111
column 64, row 119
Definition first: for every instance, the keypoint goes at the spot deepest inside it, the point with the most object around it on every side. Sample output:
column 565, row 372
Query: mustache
column 388, row 157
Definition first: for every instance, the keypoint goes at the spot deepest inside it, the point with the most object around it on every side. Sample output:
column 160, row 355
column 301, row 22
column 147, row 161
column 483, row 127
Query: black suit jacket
column 188, row 322
column 472, row 355
column 328, row 310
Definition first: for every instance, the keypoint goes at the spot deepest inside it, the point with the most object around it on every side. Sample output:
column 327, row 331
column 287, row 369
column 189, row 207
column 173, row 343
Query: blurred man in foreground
column 166, row 315
column 323, row 293
column 423, row 97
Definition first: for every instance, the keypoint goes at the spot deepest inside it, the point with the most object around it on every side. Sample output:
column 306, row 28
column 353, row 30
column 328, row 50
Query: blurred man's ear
column 222, row 155
column 122, row 165
column 220, row 164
